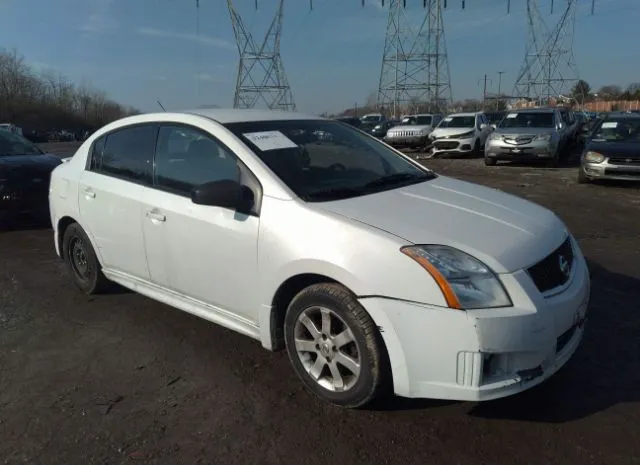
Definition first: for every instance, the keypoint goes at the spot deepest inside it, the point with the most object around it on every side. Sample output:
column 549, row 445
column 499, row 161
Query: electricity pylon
column 261, row 76
column 415, row 68
column 549, row 63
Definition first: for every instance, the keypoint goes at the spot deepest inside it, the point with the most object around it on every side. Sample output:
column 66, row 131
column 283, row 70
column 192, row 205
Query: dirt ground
column 120, row 378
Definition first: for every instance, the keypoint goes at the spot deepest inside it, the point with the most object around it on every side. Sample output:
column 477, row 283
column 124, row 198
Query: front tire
column 82, row 261
column 490, row 161
column 335, row 347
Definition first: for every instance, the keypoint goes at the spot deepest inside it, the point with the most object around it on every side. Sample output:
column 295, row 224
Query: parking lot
column 119, row 378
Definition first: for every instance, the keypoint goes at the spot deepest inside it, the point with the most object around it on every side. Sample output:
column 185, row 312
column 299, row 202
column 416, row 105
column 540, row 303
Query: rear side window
column 126, row 153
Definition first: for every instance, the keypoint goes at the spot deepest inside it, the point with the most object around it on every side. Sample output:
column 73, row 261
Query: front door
column 206, row 253
column 117, row 175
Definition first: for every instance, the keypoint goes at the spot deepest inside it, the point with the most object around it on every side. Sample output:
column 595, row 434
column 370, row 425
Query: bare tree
column 49, row 101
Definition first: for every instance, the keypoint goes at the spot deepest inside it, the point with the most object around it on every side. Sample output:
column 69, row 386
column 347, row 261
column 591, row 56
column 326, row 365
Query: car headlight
column 424, row 132
column 466, row 135
column 465, row 282
column 494, row 136
column 543, row 137
column 593, row 157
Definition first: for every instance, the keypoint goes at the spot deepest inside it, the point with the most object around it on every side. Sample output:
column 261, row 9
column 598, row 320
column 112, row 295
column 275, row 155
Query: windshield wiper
column 398, row 178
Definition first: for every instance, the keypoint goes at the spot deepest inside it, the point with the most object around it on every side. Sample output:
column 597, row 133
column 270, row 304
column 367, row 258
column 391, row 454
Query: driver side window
column 187, row 157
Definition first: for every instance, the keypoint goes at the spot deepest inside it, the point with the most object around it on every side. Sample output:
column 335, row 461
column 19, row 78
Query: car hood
column 506, row 232
column 616, row 149
column 448, row 132
column 45, row 160
column 522, row 131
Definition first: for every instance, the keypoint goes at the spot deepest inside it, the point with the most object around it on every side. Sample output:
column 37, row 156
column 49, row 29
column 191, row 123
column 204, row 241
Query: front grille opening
column 554, row 270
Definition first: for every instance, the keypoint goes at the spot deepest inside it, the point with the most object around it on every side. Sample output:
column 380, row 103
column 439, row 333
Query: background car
column 24, row 178
column 380, row 130
column 413, row 130
column 528, row 135
column 612, row 150
column 461, row 134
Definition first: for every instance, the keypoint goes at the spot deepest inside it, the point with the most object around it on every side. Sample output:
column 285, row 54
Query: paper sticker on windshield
column 447, row 119
column 270, row 140
column 512, row 115
column 609, row 125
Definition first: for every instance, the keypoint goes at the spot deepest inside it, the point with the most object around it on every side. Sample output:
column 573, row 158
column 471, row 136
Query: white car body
column 170, row 249
column 460, row 141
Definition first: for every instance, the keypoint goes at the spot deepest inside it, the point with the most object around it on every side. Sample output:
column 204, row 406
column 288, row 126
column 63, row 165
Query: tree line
column 42, row 102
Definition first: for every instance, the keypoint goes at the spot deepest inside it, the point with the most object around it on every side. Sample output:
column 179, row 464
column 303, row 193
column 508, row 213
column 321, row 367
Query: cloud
column 205, row 40
column 207, row 77
column 98, row 20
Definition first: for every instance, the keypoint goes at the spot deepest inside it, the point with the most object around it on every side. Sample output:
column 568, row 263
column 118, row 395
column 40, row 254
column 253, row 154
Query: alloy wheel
column 327, row 349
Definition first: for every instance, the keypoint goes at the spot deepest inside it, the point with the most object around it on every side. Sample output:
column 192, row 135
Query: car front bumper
column 527, row 152
column 608, row 170
column 452, row 146
column 483, row 354
column 406, row 141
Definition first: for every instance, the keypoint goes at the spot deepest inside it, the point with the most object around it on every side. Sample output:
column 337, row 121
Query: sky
column 142, row 51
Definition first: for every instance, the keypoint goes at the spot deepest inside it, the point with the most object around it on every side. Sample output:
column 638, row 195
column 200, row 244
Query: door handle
column 155, row 216
column 89, row 193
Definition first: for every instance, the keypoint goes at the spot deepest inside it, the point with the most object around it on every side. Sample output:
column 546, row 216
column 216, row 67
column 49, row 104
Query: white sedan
column 374, row 272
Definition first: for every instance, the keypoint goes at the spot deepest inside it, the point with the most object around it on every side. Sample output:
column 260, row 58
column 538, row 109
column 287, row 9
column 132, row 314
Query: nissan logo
column 565, row 266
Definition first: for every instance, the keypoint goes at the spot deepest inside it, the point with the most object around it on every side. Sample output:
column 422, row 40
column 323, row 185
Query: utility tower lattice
column 549, row 63
column 261, row 76
column 415, row 68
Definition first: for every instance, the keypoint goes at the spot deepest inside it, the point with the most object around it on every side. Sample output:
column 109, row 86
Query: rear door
column 118, row 172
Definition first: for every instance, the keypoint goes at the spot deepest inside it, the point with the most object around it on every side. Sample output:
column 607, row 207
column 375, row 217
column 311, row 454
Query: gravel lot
column 120, row 378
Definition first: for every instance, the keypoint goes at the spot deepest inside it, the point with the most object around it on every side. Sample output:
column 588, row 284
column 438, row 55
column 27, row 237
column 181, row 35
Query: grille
column 622, row 172
column 518, row 140
column 446, row 145
column 548, row 273
column 624, row 161
column 403, row 133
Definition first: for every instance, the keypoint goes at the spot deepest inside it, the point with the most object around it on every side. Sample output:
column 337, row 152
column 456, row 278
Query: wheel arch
column 62, row 226
column 283, row 296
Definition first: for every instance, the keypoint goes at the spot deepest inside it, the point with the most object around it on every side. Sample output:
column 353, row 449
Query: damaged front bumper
column 483, row 354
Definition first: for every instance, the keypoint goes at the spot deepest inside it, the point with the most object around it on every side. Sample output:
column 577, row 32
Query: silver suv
column 538, row 134
column 412, row 131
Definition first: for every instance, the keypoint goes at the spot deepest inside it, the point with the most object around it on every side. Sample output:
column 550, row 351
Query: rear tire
column 81, row 259
column 335, row 348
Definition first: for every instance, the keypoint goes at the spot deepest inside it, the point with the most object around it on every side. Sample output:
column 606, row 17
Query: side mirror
column 493, row 126
column 560, row 125
column 226, row 194
column 483, row 127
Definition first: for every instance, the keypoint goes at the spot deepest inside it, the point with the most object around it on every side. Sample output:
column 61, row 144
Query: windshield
column 458, row 122
column 323, row 160
column 527, row 120
column 618, row 130
column 13, row 144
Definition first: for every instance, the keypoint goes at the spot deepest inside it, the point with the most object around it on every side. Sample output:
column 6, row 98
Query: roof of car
column 469, row 113
column 623, row 114
column 535, row 110
column 233, row 115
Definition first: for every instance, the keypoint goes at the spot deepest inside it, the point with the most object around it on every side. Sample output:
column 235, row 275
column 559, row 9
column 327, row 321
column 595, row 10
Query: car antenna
column 161, row 106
